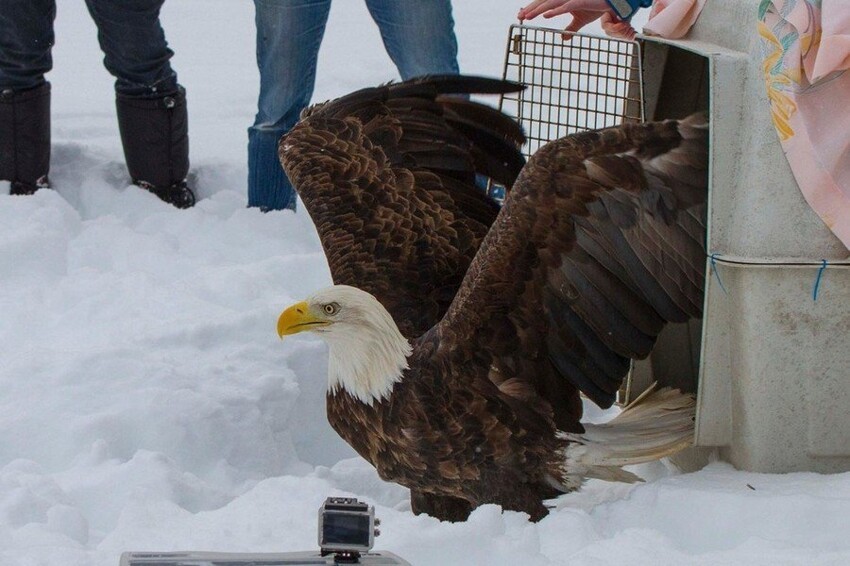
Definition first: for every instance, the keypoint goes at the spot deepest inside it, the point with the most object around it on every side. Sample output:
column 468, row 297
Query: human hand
column 552, row 8
column 583, row 13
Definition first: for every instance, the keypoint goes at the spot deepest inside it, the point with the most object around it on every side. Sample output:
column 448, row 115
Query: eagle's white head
column 368, row 353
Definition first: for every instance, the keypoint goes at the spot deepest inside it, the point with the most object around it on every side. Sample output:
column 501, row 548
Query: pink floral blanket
column 806, row 46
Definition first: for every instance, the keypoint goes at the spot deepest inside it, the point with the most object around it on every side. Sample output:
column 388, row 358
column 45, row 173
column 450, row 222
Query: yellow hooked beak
column 298, row 318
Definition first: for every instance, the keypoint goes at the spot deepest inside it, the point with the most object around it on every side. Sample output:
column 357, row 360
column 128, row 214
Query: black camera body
column 346, row 526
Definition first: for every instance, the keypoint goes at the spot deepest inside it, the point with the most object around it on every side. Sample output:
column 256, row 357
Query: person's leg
column 26, row 38
column 418, row 35
column 152, row 116
column 289, row 33
column 420, row 39
column 134, row 47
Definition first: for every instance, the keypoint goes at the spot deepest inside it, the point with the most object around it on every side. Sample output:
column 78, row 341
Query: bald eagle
column 461, row 334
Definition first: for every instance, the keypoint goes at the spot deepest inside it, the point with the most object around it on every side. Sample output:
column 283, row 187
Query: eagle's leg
column 442, row 507
column 524, row 498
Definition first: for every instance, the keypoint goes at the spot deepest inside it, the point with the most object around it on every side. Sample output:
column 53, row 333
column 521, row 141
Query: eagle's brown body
column 463, row 441
column 512, row 312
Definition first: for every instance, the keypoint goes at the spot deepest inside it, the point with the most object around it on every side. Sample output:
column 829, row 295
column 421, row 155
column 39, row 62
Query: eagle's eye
column 331, row 308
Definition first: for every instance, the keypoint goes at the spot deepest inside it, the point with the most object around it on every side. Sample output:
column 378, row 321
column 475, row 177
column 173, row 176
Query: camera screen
column 339, row 528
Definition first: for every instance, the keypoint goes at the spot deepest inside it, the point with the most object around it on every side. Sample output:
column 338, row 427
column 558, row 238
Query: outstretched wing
column 388, row 176
column 599, row 245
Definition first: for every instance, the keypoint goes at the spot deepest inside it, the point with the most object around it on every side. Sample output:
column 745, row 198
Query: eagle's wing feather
column 387, row 175
column 598, row 246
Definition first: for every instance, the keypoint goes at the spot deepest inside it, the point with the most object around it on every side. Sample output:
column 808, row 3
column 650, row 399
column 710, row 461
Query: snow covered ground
column 147, row 404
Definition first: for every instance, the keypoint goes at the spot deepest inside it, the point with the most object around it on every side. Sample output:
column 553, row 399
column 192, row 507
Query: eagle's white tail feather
column 655, row 425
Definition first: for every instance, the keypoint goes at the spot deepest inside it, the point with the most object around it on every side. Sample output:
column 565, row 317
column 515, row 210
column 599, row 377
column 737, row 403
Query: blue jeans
column 417, row 34
column 129, row 33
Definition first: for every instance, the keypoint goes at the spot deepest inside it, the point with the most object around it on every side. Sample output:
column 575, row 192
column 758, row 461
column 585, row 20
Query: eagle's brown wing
column 388, row 177
column 600, row 244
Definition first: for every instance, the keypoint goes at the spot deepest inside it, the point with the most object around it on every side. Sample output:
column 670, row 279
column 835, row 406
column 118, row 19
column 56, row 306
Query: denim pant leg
column 134, row 45
column 289, row 33
column 26, row 37
column 418, row 35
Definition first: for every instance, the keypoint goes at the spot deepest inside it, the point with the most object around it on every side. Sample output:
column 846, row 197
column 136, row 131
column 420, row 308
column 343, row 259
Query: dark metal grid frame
column 574, row 82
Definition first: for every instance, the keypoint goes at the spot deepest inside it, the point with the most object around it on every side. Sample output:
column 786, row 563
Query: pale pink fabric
column 673, row 18
column 806, row 45
column 834, row 52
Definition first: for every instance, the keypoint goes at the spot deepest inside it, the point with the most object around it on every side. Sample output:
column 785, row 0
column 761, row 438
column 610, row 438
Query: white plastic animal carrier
column 771, row 358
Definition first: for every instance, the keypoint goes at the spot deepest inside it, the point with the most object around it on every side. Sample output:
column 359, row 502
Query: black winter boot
column 25, row 138
column 155, row 135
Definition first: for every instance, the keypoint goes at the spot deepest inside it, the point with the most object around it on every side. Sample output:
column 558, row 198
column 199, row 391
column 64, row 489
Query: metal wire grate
column 574, row 83
column 579, row 84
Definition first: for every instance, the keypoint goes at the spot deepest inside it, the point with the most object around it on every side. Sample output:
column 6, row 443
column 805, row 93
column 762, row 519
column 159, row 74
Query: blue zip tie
column 817, row 280
column 713, row 259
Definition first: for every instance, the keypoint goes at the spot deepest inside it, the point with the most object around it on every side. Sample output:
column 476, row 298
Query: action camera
column 346, row 526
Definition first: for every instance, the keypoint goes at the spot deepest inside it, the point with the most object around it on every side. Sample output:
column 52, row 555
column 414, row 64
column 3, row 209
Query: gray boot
column 155, row 136
column 25, row 138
